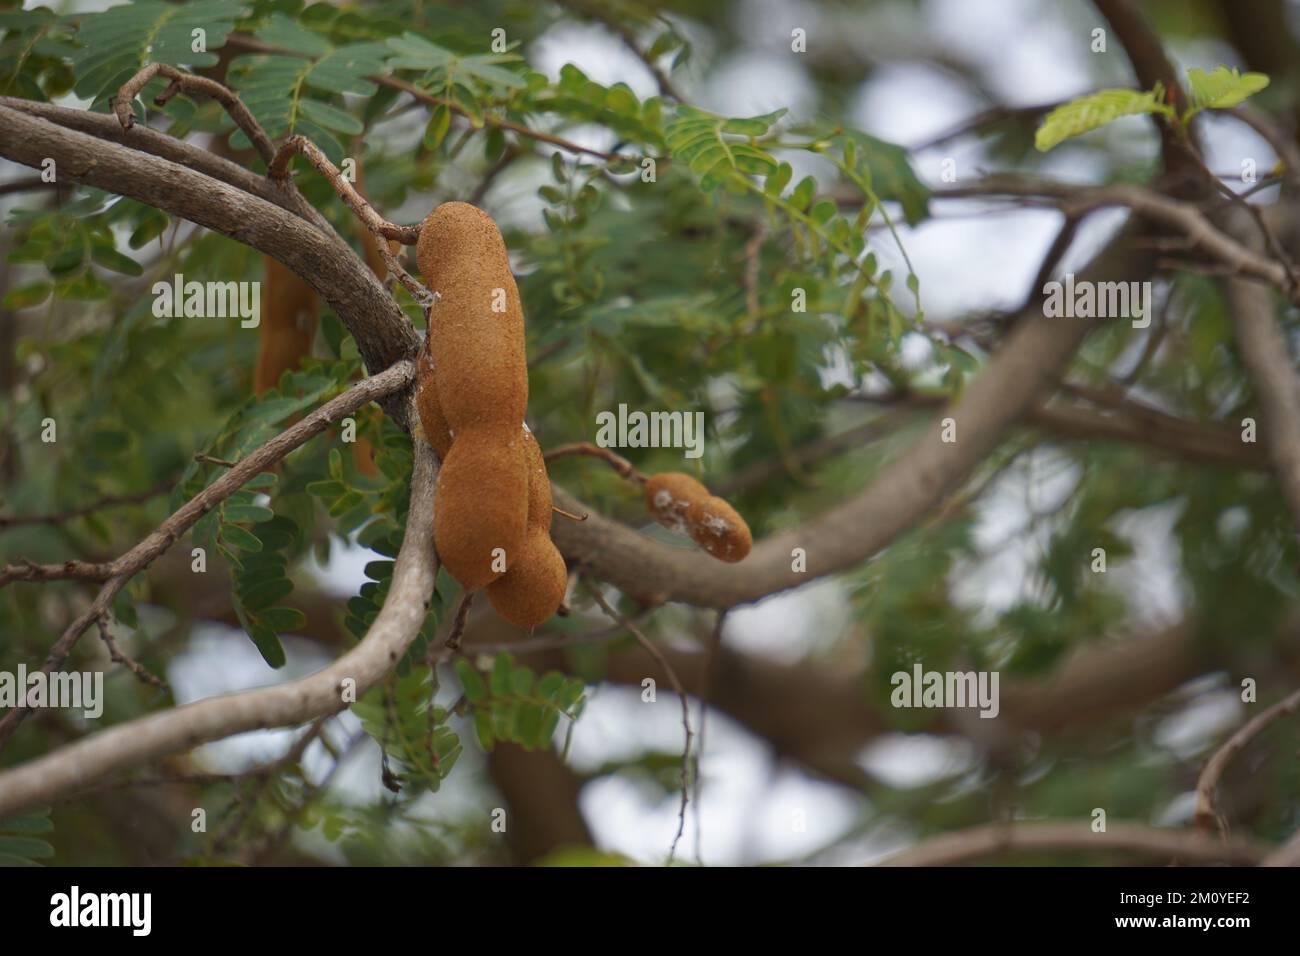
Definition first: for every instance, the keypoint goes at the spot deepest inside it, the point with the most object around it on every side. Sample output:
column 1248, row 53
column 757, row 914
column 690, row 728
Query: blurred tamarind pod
column 680, row 503
column 290, row 312
column 532, row 588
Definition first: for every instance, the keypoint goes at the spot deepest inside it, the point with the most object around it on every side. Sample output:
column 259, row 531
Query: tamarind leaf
column 265, row 593
column 329, row 488
column 803, row 193
column 330, row 117
column 110, row 258
column 117, row 42
column 283, row 31
column 268, row 644
column 529, row 725
column 439, row 123
column 1224, row 88
column 25, row 296
column 499, row 679
column 471, row 681
column 380, row 570
column 701, row 139
column 886, row 170
column 248, row 514
column 521, row 681
column 483, row 728
column 1095, row 110
column 239, row 537
column 550, row 685
column 778, row 179
column 283, row 619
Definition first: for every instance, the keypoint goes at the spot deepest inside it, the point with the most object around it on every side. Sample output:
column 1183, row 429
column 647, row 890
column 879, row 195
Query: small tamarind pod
column 482, row 503
column 476, row 328
column 432, row 421
column 680, row 503
column 289, row 314
column 534, row 585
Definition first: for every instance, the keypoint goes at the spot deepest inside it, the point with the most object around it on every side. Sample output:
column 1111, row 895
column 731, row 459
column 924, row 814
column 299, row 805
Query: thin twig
column 621, row 465
column 1206, row 815
column 662, row 661
column 458, row 622
column 191, row 85
column 108, row 501
column 711, row 657
column 382, row 229
column 142, row 673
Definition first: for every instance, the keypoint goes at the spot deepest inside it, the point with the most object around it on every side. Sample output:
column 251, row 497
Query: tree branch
column 1033, row 356
column 148, row 738
column 1209, row 779
column 382, row 332
column 386, row 383
column 1071, row 836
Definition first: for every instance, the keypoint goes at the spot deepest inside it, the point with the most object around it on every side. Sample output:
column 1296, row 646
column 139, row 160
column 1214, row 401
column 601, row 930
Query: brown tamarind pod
column 481, row 517
column 476, row 328
column 680, row 503
column 432, row 421
column 533, row 588
column 719, row 529
column 290, row 310
column 534, row 585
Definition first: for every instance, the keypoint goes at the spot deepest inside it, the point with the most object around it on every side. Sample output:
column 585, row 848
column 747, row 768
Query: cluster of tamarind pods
column 493, row 516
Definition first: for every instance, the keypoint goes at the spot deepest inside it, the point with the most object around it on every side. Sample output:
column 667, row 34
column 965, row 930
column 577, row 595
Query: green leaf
column 25, row 296
column 268, row 643
column 264, row 593
column 1222, row 89
column 439, row 123
column 283, row 618
column 471, row 680
column 1095, row 110
column 110, row 258
column 241, row 538
column 708, row 144
column 500, row 677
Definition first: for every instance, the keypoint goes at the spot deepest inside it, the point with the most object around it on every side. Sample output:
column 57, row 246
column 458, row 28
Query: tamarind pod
column 668, row 498
column 432, row 421
column 533, row 588
column 680, row 503
column 476, row 328
column 290, row 310
column 482, row 504
column 719, row 529
column 539, row 484
column 534, row 585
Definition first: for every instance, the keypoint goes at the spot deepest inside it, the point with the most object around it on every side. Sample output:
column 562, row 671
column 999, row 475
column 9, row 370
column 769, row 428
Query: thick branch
column 1267, row 357
column 149, row 738
column 382, row 332
column 1034, row 354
